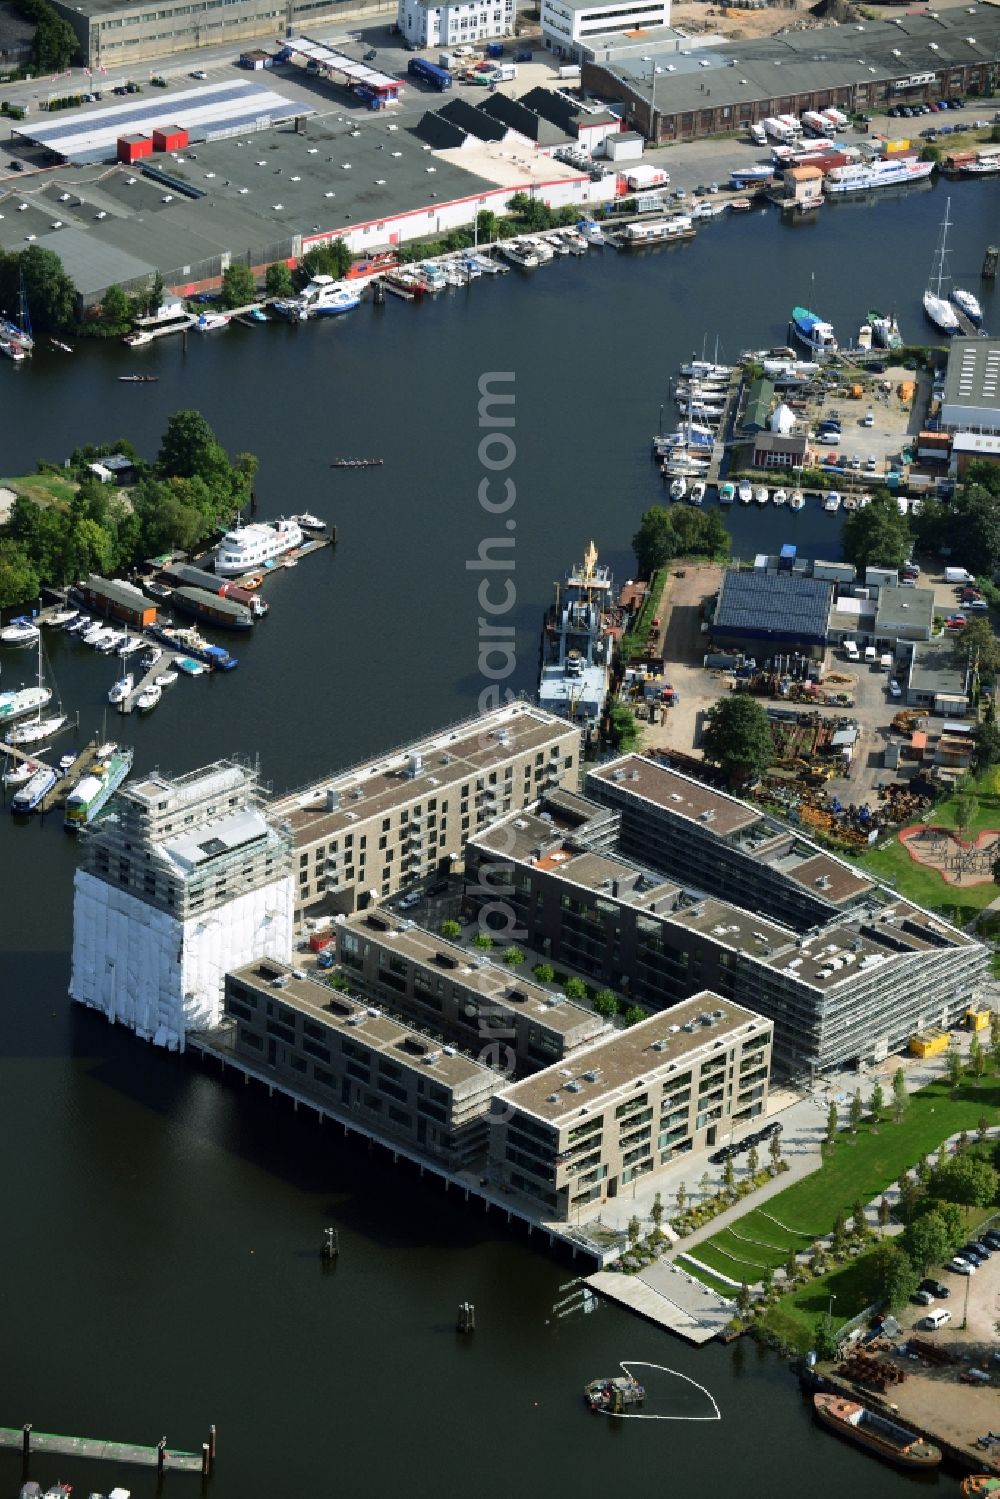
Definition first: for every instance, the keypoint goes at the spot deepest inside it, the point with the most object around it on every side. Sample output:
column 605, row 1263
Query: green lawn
column 708, row 1280
column 44, row 489
column 860, row 1167
column 796, row 1317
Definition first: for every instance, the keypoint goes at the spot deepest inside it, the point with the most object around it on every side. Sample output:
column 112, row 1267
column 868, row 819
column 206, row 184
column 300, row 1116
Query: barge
column 870, row 1429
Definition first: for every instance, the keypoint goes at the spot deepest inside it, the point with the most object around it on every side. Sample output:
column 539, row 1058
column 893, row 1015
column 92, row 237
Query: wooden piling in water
column 331, row 1245
column 467, row 1317
column 211, row 1443
column 990, row 262
column 26, row 1440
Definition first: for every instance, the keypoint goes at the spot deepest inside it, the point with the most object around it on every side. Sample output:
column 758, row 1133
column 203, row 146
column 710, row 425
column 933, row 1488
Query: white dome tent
column 782, row 420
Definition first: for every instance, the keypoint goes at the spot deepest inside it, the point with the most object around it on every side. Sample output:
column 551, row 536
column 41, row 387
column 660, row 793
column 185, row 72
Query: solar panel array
column 205, row 113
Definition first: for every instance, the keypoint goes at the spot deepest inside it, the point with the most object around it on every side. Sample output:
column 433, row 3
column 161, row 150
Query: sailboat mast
column 944, row 243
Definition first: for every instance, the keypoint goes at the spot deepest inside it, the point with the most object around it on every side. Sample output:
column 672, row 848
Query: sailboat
column 15, row 336
column 938, row 308
column 35, row 729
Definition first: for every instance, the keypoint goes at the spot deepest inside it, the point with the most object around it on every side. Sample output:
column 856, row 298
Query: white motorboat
column 556, row 243
column 967, row 303
column 902, row 504
column 61, row 618
column 744, row 492
column 760, row 494
column 121, row 689
column 130, row 645
column 37, row 729
column 704, row 369
column 166, row 679
column 208, row 322
column 780, row 497
column 937, row 307
column 574, row 241
column 113, row 641
column 797, row 500
column 78, row 625
column 91, row 631
column 20, row 631
column 850, row 502
column 832, row 501
column 151, row 657
column 66, row 762
column 591, row 231
column 148, row 698
column 678, row 488
column 248, row 547
column 20, row 771
column 520, row 254
column 696, row 494
column 24, row 700
column 309, row 522
column 433, row 276
column 865, row 336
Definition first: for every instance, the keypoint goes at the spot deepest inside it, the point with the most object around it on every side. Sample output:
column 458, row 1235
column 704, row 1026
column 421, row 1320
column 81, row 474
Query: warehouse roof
column 935, row 668
column 513, row 113
column 92, row 264
column 904, row 608
column 759, row 604
column 973, row 377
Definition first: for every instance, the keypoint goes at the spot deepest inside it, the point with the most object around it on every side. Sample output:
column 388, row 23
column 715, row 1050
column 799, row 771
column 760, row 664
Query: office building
column 362, row 834
column 191, row 877
column 568, row 25
column 572, row 1137
column 425, row 24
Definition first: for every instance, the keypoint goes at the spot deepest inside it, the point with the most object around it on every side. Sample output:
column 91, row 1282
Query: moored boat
column 851, row 1419
column 780, row 497
column 93, row 792
column 885, row 330
column 832, row 501
column 744, row 492
column 27, row 797
column 247, row 547
column 120, row 690
column 678, row 488
column 37, row 729
column 20, row 631
column 938, row 309
column 209, row 322
column 148, row 698
column 19, row 771
column 760, row 494
column 797, row 500
column 981, row 1486
column 811, row 330
column 14, row 705
column 727, row 493
column 696, row 494
column 967, row 303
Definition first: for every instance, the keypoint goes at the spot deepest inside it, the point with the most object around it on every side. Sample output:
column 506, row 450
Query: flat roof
column 934, row 667
column 593, row 1077
column 897, row 607
column 664, row 787
column 502, row 986
column 828, row 877
column 783, row 605
column 973, row 375
column 380, row 785
column 368, row 1026
column 91, row 134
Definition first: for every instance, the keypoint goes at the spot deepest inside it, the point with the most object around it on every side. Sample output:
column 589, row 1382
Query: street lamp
column 833, row 1298
column 653, row 134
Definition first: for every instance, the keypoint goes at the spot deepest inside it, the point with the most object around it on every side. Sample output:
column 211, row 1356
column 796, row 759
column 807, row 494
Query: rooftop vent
column 592, row 1075
column 332, row 798
column 573, row 1086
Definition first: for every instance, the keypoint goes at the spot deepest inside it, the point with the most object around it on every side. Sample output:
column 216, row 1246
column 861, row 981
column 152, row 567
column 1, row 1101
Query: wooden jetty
column 165, row 1459
column 83, row 762
column 165, row 663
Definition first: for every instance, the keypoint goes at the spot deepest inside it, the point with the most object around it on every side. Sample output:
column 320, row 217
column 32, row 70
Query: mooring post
column 211, row 1443
column 26, row 1440
column 161, row 1454
column 206, row 1460
column 467, row 1317
column 331, row 1245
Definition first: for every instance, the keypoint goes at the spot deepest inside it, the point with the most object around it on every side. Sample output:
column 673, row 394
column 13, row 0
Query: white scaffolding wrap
column 162, row 977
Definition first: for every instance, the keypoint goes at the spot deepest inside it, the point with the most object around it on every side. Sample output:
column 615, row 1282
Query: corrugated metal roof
column 780, row 604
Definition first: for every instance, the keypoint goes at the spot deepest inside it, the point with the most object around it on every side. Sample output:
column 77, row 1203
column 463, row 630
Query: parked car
column 937, row 1290
column 961, row 1267
column 871, row 464
column 894, row 688
column 922, row 1298
column 829, row 436
column 370, row 55
column 992, row 1238
column 975, row 1247
column 409, row 901
column 939, row 1317
column 200, row 74
column 929, row 134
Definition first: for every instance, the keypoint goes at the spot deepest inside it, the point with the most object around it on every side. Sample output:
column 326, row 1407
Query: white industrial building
column 971, row 399
column 566, row 24
column 190, row 879
column 424, row 24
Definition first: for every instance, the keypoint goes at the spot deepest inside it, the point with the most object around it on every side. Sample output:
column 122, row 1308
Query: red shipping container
column 320, row 941
column 133, row 148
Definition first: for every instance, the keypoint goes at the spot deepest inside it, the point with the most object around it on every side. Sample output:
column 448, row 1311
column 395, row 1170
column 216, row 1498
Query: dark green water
column 159, row 1256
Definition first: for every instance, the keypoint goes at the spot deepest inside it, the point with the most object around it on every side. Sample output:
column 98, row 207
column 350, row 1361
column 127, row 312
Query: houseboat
column 248, row 547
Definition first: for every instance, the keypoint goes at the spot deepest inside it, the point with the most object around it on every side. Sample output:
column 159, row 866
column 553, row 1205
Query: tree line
column 969, row 527
column 178, row 501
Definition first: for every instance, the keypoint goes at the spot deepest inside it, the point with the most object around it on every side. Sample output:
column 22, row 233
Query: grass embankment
column 706, row 1279
column 44, row 489
column 861, row 1167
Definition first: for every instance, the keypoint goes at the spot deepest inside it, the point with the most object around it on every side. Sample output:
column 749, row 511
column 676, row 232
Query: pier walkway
column 28, row 1441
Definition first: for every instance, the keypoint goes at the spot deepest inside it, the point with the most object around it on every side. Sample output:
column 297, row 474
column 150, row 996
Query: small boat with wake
column 611, row 1396
column 138, row 379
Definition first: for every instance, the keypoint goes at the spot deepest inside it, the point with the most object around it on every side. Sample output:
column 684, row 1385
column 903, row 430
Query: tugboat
column 612, row 1396
column 870, row 1429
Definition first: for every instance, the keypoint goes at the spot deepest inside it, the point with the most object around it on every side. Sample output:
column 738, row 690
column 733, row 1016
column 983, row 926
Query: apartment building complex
column 191, row 877
column 866, row 973
column 356, row 1061
column 363, row 834
column 573, row 1136
column 461, row 994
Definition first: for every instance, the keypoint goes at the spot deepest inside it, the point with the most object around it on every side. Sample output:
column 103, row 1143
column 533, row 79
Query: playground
column 957, row 862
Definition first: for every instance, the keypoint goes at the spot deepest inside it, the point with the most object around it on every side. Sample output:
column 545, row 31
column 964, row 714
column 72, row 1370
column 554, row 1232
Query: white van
column 851, row 650
column 870, row 655
column 935, row 1319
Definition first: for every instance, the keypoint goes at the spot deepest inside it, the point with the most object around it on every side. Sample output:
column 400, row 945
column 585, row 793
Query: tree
column 859, row 1220
column 744, row 1300
column 926, row 1241
column 983, row 1129
column 450, row 929
column 774, row 1149
column 900, row 1097
column 55, row 42
column 623, row 730
column 705, row 1185
column 977, row 645
column 923, row 1170
column 953, row 1218
column 791, row 1267
column 884, row 1213
column 655, row 542
column 737, row 737
column 974, row 527
column 575, row 988
column 154, row 296
column 878, row 535
column 19, row 582
column 188, row 448
column 953, row 1060
column 826, row 1337
column 483, row 941
column 876, row 1104
column 634, row 1230
column 832, row 1122
column 838, row 1238
column 681, row 1199
column 333, row 259
column 239, row 286
column 977, row 1057
column 606, row 1003
column 278, row 280
column 985, row 745
column 512, row 956
column 856, row 1112
column 909, row 1197
column 753, row 1162
column 656, row 1212
column 890, row 1274
column 51, row 295
column 544, row 972
column 633, row 1015
column 966, row 1179
column 116, row 310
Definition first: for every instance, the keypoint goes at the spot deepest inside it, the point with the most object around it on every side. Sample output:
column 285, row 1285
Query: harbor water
column 160, row 1263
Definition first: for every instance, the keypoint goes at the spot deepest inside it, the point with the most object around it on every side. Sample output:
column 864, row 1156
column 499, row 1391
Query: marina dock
column 165, row 1459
